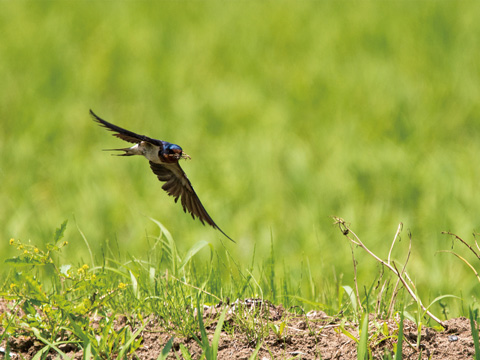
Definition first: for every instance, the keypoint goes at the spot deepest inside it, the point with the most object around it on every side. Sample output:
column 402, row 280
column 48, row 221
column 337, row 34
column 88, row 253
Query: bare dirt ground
column 309, row 336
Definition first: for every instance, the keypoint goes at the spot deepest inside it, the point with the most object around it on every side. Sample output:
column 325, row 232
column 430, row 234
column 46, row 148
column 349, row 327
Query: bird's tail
column 128, row 151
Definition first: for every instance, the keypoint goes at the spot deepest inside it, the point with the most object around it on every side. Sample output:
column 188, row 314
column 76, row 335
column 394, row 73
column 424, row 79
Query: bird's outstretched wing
column 178, row 186
column 123, row 133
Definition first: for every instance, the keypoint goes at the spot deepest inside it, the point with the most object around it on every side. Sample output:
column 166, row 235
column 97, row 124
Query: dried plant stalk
column 354, row 239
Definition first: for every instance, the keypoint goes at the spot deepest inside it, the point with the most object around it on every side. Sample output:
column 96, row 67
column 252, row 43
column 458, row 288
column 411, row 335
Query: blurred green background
column 291, row 111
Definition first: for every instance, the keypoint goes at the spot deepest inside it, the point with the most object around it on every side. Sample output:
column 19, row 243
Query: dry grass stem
column 403, row 272
column 346, row 231
column 465, row 261
column 397, row 235
column 357, row 293
column 464, row 242
column 469, row 247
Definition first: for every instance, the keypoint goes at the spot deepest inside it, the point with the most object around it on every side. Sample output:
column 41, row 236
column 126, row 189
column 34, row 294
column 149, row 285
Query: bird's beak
column 185, row 155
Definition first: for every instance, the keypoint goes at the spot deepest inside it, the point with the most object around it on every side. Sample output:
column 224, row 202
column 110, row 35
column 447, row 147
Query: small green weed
column 378, row 301
column 72, row 307
column 209, row 350
column 473, row 315
column 59, row 303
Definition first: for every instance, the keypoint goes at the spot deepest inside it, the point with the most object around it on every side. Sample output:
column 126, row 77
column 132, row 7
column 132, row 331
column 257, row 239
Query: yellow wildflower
column 122, row 286
column 12, row 240
column 83, row 269
column 36, row 250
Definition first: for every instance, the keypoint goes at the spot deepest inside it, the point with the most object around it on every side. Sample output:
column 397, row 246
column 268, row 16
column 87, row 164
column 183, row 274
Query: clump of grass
column 63, row 310
column 209, row 350
column 402, row 276
column 63, row 303
column 384, row 291
column 251, row 318
column 473, row 314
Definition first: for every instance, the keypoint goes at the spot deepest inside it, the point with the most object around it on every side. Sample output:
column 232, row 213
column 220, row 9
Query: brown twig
column 463, row 241
column 380, row 293
column 476, row 242
column 397, row 235
column 345, row 229
column 469, row 247
column 359, row 304
column 395, row 289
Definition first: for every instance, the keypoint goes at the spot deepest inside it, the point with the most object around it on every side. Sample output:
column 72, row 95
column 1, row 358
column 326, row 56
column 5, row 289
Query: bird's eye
column 170, row 151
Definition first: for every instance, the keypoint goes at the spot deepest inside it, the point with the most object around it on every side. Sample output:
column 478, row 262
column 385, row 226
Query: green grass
column 64, row 303
column 291, row 113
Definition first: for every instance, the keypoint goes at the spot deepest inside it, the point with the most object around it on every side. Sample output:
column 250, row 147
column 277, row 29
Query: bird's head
column 173, row 153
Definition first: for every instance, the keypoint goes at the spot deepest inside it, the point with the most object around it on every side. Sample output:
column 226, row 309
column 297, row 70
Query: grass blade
column 399, row 352
column 78, row 331
column 362, row 350
column 166, row 349
column 132, row 338
column 204, row 342
column 218, row 330
column 135, row 289
column 87, row 244
column 185, row 353
column 257, row 349
column 193, row 250
column 39, row 355
column 351, row 295
column 171, row 245
column 87, row 353
column 347, row 333
column 473, row 317
column 36, row 332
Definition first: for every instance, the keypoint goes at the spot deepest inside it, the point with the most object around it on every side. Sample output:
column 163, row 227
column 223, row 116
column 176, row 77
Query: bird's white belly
column 150, row 152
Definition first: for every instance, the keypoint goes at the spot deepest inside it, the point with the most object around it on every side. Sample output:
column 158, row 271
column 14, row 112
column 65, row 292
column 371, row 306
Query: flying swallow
column 163, row 158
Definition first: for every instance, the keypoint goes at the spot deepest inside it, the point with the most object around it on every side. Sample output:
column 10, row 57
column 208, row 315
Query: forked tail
column 128, row 152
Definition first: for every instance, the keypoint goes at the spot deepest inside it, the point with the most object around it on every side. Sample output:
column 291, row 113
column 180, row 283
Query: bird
column 163, row 158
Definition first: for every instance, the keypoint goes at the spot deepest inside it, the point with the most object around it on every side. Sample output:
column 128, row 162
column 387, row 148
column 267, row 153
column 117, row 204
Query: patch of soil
column 310, row 336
